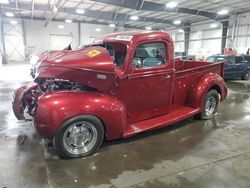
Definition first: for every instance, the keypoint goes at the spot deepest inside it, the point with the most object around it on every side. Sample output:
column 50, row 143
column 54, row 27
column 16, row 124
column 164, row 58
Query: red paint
column 127, row 101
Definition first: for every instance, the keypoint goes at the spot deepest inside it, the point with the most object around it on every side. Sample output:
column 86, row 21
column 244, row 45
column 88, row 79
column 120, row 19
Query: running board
column 160, row 121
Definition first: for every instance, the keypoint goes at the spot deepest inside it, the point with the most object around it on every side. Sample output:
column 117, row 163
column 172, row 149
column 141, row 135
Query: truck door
column 148, row 90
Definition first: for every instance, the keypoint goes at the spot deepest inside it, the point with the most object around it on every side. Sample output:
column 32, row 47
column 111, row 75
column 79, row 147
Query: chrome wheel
column 80, row 137
column 246, row 75
column 210, row 106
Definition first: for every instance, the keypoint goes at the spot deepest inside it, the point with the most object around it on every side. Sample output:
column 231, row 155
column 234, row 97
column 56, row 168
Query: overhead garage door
column 59, row 42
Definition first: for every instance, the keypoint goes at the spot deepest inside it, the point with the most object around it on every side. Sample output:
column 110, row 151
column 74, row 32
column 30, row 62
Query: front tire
column 210, row 105
column 246, row 75
column 80, row 136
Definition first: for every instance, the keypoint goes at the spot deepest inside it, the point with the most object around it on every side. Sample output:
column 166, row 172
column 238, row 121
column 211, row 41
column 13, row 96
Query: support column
column 24, row 39
column 2, row 44
column 186, row 38
column 224, row 35
column 79, row 33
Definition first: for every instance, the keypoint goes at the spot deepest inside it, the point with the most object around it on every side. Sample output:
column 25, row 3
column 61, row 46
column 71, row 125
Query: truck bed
column 188, row 73
column 186, row 66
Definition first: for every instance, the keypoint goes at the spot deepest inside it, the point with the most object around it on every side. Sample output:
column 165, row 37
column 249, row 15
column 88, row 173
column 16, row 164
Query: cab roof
column 128, row 36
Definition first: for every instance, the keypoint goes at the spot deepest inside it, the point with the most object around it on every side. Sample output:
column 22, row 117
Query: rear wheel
column 246, row 75
column 210, row 105
column 78, row 137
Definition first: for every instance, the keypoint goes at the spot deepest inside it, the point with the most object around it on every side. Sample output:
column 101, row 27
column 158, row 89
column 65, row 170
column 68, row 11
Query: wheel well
column 216, row 88
column 104, row 126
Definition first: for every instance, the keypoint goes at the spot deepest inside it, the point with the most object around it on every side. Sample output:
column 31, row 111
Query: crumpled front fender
column 18, row 105
column 54, row 108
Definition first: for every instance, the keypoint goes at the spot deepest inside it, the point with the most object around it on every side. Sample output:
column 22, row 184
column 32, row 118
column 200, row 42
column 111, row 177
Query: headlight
column 33, row 60
column 35, row 70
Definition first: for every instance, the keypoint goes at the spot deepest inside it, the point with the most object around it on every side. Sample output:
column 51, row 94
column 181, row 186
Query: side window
column 239, row 59
column 247, row 59
column 149, row 55
column 230, row 60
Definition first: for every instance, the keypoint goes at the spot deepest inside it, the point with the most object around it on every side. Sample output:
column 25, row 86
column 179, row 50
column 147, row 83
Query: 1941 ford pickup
column 123, row 84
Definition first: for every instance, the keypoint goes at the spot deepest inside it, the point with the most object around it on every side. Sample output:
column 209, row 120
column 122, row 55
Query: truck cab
column 122, row 84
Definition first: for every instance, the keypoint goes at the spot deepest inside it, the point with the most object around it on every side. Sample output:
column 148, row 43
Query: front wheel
column 246, row 75
column 79, row 137
column 210, row 105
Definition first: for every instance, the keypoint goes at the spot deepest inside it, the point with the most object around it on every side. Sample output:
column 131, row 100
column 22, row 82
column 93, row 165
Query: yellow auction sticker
column 93, row 53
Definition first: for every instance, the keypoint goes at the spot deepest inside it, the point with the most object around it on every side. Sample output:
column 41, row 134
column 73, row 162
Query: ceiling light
column 98, row 29
column 181, row 30
column 13, row 22
column 55, row 9
column 9, row 14
column 68, row 21
column 222, row 12
column 177, row 22
column 4, row 1
column 60, row 26
column 148, row 28
column 134, row 17
column 214, row 25
column 171, row 4
column 80, row 11
column 111, row 25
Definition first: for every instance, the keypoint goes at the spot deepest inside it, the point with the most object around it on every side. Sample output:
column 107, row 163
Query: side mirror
column 136, row 63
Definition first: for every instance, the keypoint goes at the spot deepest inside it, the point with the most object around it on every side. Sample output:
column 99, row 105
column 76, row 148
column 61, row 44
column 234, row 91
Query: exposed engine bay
column 44, row 85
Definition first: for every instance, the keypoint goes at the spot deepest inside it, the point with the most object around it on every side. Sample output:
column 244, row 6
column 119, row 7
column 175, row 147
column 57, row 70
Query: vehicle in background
column 124, row 84
column 187, row 58
column 236, row 66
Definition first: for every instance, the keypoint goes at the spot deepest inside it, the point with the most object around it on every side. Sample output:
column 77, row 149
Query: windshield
column 216, row 58
column 228, row 59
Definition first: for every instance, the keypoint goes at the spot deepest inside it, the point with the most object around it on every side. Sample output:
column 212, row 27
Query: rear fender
column 53, row 109
column 198, row 91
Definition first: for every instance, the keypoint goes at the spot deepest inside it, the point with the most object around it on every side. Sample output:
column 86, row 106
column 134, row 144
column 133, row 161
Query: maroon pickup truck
column 123, row 84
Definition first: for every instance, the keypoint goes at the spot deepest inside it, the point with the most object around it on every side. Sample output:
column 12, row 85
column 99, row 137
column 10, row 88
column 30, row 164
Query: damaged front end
column 25, row 98
column 78, row 70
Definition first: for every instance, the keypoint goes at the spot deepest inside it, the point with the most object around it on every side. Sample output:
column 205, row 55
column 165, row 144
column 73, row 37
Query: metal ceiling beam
column 62, row 20
column 54, row 11
column 159, row 7
column 32, row 10
column 103, row 15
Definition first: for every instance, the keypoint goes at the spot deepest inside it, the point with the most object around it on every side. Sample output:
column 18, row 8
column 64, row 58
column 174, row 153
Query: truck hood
column 91, row 66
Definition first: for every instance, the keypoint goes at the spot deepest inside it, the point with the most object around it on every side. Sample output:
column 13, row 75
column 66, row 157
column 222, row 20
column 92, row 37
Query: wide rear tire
column 210, row 105
column 80, row 136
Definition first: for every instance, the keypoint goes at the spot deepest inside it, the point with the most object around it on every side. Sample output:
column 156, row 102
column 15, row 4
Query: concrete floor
column 213, row 153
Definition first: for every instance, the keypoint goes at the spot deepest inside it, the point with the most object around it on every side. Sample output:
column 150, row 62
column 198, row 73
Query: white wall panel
column 88, row 32
column 194, row 47
column 212, row 34
column 13, row 39
column 198, row 35
column 38, row 36
column 179, row 46
column 59, row 41
column 212, row 46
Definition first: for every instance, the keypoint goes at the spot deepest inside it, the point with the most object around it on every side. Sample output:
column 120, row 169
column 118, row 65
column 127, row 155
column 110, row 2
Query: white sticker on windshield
column 124, row 37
